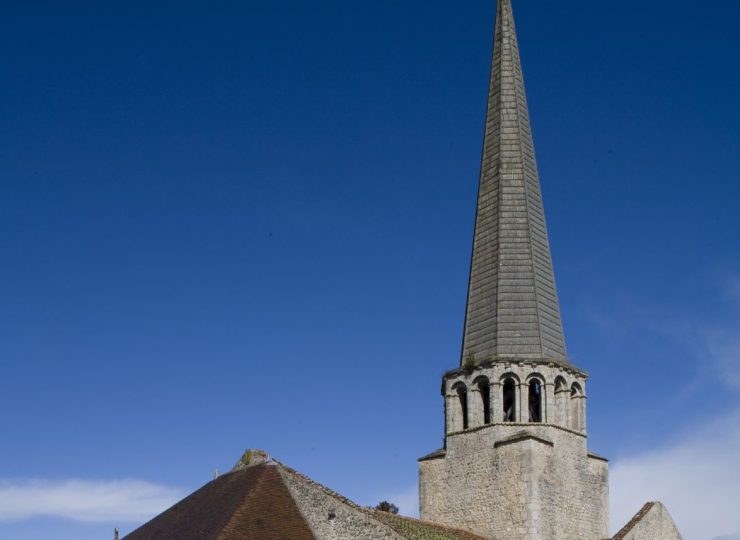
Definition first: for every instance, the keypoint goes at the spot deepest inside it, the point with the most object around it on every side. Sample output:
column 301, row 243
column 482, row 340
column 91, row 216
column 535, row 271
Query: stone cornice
column 550, row 362
column 594, row 455
column 521, row 437
column 438, row 454
column 518, row 424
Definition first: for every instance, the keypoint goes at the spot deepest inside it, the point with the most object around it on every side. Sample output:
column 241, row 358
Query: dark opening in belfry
column 535, row 401
column 509, row 400
column 462, row 394
column 485, row 395
column 576, row 403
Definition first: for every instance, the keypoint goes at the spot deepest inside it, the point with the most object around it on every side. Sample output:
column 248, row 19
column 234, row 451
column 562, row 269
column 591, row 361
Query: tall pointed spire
column 512, row 310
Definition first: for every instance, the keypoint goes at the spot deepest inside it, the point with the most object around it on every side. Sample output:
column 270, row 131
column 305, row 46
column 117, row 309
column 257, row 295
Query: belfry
column 515, row 462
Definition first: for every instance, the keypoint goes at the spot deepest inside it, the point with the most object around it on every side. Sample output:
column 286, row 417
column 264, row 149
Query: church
column 515, row 463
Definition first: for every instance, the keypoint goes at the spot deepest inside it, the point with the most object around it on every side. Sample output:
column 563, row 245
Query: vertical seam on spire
column 512, row 31
column 465, row 342
column 500, row 25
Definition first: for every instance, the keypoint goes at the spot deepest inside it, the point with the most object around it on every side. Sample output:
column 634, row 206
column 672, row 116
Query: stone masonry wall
column 332, row 518
column 515, row 482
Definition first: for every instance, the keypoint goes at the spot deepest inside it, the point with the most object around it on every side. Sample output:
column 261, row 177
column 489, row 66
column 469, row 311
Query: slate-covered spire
column 512, row 310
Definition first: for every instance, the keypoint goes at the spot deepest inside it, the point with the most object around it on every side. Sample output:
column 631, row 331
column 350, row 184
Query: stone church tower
column 515, row 463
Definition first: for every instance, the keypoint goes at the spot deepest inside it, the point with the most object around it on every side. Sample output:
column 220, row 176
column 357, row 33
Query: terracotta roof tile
column 247, row 504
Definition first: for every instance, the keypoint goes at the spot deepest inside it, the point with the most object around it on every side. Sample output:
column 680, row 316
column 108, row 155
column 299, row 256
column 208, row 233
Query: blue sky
column 241, row 224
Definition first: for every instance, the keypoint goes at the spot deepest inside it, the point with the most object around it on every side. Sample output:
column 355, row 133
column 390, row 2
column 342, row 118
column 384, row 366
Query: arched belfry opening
column 562, row 394
column 462, row 396
column 576, row 407
column 509, row 400
column 535, row 401
column 484, row 390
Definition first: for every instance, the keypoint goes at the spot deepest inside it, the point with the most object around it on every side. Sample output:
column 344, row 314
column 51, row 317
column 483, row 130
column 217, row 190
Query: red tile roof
column 251, row 503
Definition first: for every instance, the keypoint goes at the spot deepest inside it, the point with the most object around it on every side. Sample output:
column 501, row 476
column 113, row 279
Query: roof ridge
column 634, row 521
column 425, row 522
column 314, row 483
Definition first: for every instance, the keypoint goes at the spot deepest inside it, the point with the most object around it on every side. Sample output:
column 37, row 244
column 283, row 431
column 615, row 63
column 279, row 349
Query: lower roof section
column 262, row 499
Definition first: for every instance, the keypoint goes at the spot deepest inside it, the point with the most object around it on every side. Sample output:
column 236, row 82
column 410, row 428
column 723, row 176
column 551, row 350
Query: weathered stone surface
column 542, row 485
column 332, row 518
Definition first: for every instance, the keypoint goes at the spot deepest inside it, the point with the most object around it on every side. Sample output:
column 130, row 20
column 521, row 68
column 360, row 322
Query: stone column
column 475, row 407
column 582, row 413
column 583, row 407
column 562, row 397
column 525, row 402
column 576, row 413
column 497, row 402
column 548, row 403
column 453, row 414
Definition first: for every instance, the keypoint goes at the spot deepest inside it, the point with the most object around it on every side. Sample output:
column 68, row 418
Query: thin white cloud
column 735, row 536
column 719, row 341
column 697, row 478
column 732, row 286
column 723, row 348
column 84, row 500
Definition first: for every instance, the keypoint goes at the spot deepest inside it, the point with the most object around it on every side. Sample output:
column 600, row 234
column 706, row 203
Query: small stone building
column 515, row 464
